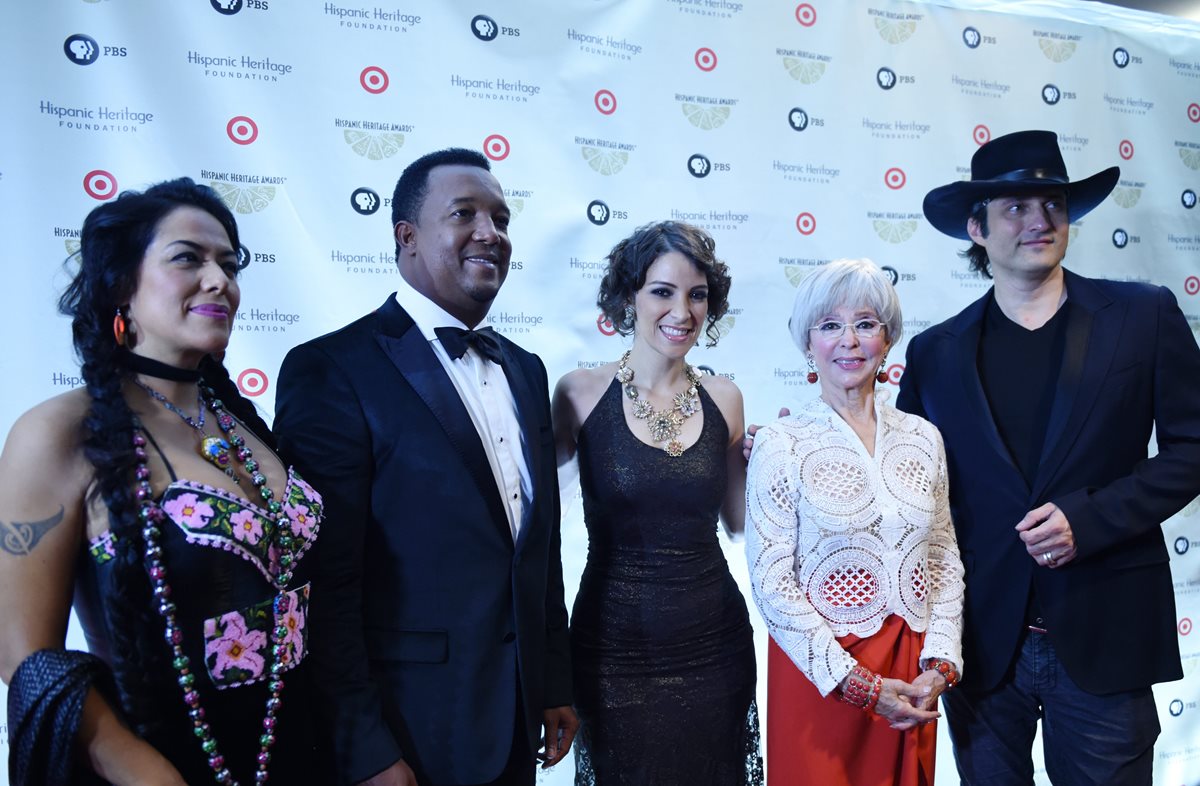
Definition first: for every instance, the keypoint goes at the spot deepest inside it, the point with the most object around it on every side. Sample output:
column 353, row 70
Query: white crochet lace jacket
column 837, row 539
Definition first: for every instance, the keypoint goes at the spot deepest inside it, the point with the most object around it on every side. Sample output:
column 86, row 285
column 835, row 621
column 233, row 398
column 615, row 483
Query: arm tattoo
column 19, row 538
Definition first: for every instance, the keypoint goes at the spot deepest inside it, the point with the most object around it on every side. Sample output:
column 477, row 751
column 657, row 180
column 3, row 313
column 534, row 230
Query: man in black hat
column 1046, row 391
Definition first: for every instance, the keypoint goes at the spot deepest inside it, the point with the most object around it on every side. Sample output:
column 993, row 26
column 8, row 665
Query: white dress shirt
column 485, row 393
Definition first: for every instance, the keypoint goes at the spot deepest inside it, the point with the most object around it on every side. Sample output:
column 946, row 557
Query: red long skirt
column 815, row 740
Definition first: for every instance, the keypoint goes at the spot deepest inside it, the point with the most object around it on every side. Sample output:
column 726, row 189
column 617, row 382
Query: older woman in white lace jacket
column 852, row 554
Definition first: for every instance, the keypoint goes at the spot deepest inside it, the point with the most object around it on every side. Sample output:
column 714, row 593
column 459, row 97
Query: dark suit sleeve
column 1158, row 487
column 909, row 399
column 322, row 430
column 558, row 692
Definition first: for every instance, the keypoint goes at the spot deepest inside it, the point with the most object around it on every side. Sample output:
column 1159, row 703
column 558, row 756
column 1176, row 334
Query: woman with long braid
column 153, row 498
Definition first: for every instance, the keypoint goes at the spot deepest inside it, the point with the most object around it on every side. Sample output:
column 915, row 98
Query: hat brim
column 948, row 207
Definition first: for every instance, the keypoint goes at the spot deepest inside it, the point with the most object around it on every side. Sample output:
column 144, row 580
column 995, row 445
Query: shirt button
column 514, row 496
column 510, row 637
column 502, row 439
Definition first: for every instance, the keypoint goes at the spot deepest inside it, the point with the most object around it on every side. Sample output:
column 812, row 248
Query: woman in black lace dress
column 661, row 642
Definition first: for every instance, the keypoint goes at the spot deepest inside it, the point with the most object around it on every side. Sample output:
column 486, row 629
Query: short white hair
column 851, row 283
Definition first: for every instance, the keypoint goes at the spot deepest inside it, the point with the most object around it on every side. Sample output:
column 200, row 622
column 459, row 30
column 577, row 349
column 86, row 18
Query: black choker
column 154, row 368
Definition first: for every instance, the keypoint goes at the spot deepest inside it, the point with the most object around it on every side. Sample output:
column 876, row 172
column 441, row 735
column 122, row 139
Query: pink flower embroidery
column 293, row 620
column 236, row 647
column 302, row 520
column 188, row 511
column 246, row 526
column 310, row 493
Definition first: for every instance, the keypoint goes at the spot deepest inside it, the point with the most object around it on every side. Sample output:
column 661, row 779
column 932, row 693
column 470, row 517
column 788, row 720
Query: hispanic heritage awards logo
column 894, row 27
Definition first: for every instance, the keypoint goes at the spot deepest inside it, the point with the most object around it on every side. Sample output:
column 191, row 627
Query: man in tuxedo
column 1046, row 391
column 438, row 629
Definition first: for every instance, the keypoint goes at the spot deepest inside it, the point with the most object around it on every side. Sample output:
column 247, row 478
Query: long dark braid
column 113, row 242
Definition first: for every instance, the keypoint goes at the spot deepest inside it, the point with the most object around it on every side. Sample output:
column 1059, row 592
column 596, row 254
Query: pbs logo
column 598, row 212
column 699, row 165
column 364, row 201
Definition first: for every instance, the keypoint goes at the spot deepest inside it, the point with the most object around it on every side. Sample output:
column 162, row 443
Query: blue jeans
column 1086, row 739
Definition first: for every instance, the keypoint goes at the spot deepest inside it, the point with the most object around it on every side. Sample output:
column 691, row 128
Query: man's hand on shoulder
column 559, row 725
column 399, row 774
column 752, row 429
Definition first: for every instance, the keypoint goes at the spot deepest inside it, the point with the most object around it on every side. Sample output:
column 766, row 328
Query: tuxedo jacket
column 1130, row 366
column 425, row 615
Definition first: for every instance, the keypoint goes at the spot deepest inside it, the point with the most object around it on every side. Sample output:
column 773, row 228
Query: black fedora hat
column 1015, row 163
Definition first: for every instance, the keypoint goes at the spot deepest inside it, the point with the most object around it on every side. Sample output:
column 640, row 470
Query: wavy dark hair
column 112, row 245
column 976, row 255
column 632, row 257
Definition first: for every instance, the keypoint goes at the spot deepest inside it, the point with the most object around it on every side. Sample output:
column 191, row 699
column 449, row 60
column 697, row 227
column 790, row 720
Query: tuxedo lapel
column 410, row 352
column 527, row 414
column 976, row 408
column 1092, row 332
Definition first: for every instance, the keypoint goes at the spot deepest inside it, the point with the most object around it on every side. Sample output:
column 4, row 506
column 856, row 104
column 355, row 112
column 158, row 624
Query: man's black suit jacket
column 1130, row 366
column 424, row 611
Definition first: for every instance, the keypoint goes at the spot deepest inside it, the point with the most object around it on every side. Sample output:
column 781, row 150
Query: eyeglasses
column 863, row 328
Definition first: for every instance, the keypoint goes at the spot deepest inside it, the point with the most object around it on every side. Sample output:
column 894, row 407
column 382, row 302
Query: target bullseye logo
column 895, row 178
column 1194, row 113
column 606, row 102
column 242, row 130
column 806, row 223
column 1185, row 626
column 1125, row 149
column 706, row 59
column 373, row 79
column 605, row 325
column 982, row 134
column 252, row 382
column 496, row 147
column 894, row 372
column 806, row 14
column 1192, row 285
column 100, row 184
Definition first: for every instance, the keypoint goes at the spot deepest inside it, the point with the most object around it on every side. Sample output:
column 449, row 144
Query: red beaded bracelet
column 862, row 688
column 945, row 668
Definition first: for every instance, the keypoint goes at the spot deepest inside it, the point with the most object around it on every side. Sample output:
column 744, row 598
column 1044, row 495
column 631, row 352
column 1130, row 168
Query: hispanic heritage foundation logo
column 81, row 49
column 100, row 184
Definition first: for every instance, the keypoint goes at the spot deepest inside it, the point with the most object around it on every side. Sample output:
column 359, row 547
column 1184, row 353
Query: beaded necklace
column 665, row 425
column 215, row 450
column 152, row 517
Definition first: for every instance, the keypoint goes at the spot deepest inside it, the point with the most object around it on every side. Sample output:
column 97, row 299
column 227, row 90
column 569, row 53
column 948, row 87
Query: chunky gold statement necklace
column 665, row 425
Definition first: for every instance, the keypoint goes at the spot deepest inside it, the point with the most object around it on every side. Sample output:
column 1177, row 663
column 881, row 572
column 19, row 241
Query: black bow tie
column 456, row 340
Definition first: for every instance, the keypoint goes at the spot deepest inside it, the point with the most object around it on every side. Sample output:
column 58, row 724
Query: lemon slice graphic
column 804, row 71
column 1126, row 197
column 606, row 162
column 724, row 325
column 795, row 274
column 375, row 147
column 1072, row 231
column 244, row 199
column 1190, row 157
column 73, row 246
column 894, row 231
column 1056, row 51
column 706, row 117
column 515, row 206
column 895, row 32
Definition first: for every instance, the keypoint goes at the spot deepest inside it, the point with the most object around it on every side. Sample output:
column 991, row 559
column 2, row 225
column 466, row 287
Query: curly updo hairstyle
column 632, row 257
column 113, row 243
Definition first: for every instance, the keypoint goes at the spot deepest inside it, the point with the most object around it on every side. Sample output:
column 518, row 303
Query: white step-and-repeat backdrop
column 794, row 132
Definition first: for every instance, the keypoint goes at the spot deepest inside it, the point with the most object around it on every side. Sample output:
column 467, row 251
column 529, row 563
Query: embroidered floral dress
column 220, row 550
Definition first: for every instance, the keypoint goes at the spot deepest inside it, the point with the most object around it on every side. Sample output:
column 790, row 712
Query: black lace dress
column 661, row 642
